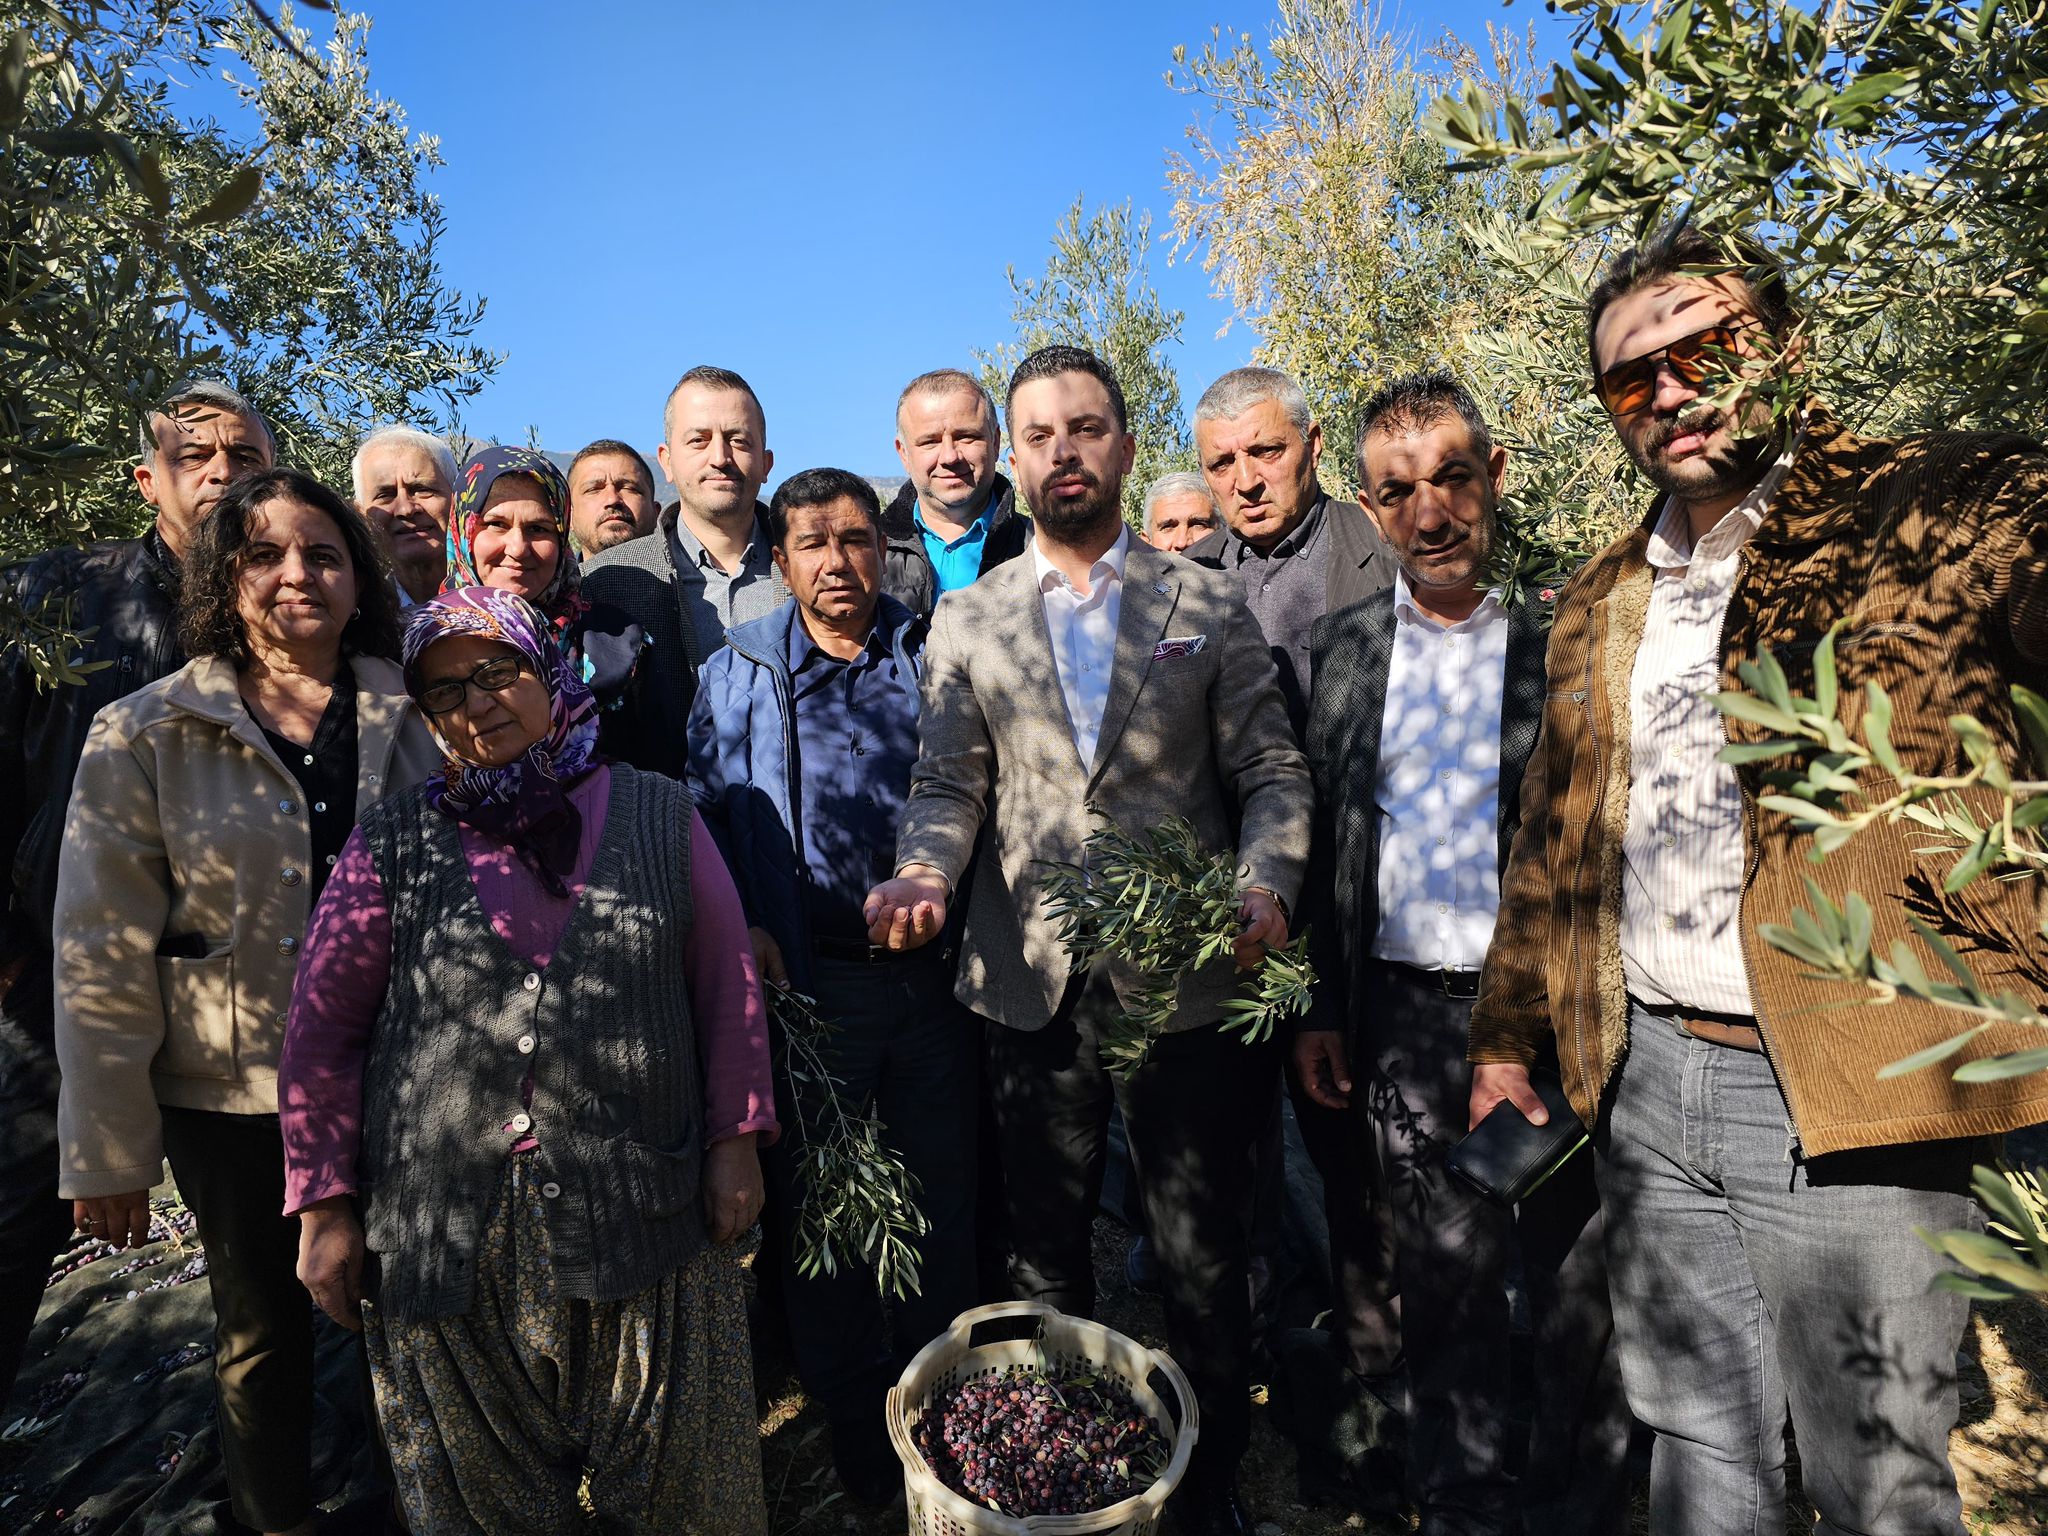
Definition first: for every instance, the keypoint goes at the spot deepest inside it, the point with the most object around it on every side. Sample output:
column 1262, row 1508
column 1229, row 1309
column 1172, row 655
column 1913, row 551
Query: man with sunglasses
column 1760, row 1184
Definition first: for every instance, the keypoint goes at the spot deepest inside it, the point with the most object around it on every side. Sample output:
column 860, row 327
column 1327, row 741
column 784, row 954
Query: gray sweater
column 618, row 1095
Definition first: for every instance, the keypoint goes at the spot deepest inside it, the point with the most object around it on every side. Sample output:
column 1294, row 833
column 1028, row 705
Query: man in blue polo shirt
column 802, row 738
column 955, row 516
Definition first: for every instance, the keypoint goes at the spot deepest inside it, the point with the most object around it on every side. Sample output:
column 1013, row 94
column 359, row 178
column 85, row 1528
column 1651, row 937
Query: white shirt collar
column 1405, row 611
column 1671, row 546
column 1110, row 562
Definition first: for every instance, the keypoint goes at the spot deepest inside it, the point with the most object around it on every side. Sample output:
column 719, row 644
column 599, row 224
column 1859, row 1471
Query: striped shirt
column 1683, row 851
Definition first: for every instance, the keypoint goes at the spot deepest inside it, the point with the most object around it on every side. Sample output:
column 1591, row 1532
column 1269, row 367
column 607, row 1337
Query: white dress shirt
column 1083, row 630
column 1683, row 849
column 1438, row 791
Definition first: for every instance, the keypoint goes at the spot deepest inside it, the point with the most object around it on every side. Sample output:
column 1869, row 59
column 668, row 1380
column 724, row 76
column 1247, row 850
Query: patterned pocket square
column 1186, row 645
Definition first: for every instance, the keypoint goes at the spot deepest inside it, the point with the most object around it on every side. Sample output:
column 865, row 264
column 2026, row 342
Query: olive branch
column 858, row 1201
column 1996, row 833
column 1160, row 904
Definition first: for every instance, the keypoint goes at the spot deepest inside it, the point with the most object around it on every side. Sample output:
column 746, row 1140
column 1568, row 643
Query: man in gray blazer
column 1096, row 680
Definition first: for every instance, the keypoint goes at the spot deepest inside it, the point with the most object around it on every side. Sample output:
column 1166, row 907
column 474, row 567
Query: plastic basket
column 1059, row 1343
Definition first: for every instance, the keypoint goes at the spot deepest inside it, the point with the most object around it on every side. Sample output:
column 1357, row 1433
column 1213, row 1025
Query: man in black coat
column 955, row 517
column 1302, row 553
column 661, row 605
column 123, row 595
column 1426, row 707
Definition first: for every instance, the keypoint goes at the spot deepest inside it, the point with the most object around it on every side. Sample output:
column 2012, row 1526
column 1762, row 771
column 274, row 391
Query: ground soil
column 2000, row 1449
column 110, row 1429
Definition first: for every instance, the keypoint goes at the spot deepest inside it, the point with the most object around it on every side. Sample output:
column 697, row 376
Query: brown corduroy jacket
column 1934, row 550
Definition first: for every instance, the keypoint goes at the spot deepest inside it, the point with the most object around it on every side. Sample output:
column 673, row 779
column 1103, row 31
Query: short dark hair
column 189, row 393
column 208, row 623
column 1680, row 249
column 1421, row 400
column 711, row 378
column 818, row 488
column 1051, row 362
column 948, row 381
column 611, row 446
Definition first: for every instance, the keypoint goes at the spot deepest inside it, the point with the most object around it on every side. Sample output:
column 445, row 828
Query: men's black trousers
column 902, row 1043
column 34, row 1224
column 1194, row 1113
column 1365, row 1304
column 1413, row 1086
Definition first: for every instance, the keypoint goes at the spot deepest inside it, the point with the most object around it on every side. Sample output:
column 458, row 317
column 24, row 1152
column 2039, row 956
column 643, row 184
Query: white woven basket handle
column 1184, row 1442
column 968, row 1321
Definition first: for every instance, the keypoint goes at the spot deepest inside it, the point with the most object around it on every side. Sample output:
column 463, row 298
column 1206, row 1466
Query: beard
column 1069, row 516
column 1720, row 471
column 610, row 531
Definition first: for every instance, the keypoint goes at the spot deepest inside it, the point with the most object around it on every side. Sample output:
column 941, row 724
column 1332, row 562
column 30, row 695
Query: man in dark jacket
column 955, row 517
column 802, row 740
column 660, row 605
column 122, row 594
column 1301, row 554
column 1426, row 708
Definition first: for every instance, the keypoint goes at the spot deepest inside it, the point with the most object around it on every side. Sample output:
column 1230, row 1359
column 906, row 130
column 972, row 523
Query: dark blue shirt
column 856, row 742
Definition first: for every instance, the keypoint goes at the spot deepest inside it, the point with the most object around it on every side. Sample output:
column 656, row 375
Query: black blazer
column 907, row 573
column 1352, row 650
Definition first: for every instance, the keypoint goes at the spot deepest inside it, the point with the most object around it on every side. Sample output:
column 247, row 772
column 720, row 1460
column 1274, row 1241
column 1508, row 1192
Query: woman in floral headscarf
column 523, row 1077
column 510, row 531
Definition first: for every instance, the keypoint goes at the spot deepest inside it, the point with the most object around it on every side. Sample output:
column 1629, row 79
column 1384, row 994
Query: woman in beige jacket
column 207, row 810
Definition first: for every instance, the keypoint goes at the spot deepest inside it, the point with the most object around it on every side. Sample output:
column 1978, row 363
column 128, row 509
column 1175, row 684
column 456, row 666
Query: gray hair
column 1182, row 482
column 191, row 392
column 1421, row 400
column 1242, row 388
column 411, row 437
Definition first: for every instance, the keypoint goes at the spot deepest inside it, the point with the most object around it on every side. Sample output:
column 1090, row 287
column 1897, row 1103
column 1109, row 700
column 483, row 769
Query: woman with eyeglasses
column 526, row 1069
column 209, row 809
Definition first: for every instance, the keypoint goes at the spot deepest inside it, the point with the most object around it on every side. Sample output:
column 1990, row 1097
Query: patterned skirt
column 533, row 1412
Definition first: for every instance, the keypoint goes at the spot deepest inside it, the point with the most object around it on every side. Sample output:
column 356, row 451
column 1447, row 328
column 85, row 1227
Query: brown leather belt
column 1727, row 1029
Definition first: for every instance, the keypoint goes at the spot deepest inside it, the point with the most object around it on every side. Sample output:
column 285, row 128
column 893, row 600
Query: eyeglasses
column 1629, row 387
column 494, row 676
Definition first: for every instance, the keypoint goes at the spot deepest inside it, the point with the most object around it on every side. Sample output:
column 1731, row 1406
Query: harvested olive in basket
column 1027, row 1443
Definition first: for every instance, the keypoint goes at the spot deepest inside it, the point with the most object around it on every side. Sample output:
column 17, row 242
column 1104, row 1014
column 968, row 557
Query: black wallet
column 1506, row 1158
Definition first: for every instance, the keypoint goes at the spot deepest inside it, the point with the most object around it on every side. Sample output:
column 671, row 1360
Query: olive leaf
column 1161, row 905
column 857, row 1201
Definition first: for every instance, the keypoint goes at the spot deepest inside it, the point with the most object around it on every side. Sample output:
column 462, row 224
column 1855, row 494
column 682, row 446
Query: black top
column 326, row 771
column 907, row 573
column 123, row 594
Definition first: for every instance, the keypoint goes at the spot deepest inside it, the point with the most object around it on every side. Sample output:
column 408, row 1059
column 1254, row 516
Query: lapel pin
column 1159, row 587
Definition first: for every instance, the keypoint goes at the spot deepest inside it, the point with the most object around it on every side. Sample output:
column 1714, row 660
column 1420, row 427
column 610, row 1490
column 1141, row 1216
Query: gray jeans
column 1747, row 1279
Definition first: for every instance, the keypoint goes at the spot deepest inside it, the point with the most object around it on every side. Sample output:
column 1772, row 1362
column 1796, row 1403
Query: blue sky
column 822, row 196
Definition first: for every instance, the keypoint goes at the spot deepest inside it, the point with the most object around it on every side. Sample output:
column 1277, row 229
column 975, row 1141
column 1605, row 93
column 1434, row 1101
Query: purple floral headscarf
column 563, row 601
column 522, row 803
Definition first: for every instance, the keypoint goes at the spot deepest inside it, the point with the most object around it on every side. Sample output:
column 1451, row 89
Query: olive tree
column 1337, row 229
column 142, row 239
column 1096, row 292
